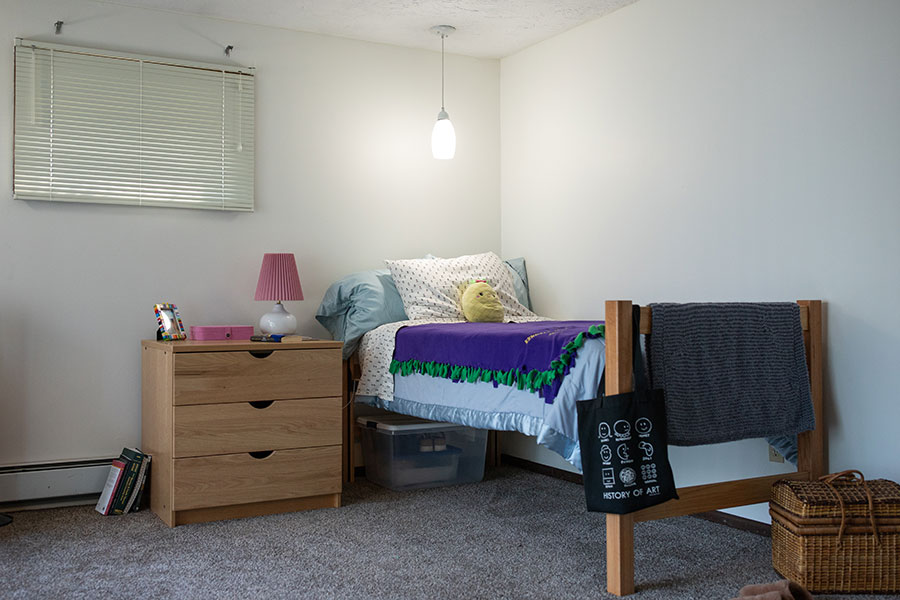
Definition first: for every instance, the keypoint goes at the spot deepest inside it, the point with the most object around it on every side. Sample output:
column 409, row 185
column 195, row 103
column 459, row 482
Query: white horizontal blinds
column 31, row 149
column 240, row 141
column 94, row 135
column 127, row 130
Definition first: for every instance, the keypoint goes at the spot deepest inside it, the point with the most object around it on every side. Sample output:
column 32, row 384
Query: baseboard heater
column 22, row 483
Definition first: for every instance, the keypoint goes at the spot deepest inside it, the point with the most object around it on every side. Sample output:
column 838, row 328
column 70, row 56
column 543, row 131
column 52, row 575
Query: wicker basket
column 840, row 534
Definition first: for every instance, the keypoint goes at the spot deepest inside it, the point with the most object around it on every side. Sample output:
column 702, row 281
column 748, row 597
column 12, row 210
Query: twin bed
column 476, row 400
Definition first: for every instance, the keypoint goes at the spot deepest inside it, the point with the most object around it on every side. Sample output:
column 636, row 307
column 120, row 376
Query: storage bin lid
column 812, row 499
column 395, row 423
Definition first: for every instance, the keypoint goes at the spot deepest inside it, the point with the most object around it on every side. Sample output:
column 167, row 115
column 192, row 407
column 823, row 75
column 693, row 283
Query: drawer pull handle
column 261, row 403
column 262, row 454
column 260, row 353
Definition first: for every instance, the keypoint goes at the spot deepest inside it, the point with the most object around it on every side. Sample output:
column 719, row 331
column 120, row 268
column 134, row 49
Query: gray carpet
column 517, row 535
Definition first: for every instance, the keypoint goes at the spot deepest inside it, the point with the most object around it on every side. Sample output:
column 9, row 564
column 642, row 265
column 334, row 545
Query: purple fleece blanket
column 533, row 356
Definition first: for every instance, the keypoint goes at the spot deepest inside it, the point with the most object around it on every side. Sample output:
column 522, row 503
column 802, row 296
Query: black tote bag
column 624, row 451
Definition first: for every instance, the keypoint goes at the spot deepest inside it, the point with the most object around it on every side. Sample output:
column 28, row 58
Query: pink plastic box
column 221, row 332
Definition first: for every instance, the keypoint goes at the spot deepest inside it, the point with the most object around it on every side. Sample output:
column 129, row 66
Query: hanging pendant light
column 443, row 137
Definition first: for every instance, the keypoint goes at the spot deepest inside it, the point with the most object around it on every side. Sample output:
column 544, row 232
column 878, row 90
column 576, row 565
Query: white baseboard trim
column 40, row 482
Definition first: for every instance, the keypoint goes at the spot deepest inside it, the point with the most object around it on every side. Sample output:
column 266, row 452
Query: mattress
column 502, row 408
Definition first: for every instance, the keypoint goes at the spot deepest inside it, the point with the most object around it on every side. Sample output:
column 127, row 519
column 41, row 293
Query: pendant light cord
column 442, row 70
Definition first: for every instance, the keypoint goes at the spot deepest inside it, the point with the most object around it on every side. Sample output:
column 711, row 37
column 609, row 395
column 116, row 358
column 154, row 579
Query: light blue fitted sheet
column 505, row 408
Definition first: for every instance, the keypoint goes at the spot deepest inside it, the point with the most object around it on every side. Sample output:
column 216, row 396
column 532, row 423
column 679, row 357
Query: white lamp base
column 278, row 321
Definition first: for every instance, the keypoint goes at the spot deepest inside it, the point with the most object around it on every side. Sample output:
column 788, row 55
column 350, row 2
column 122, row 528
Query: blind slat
column 91, row 127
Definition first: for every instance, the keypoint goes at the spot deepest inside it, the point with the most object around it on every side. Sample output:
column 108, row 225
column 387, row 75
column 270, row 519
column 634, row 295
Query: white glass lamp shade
column 278, row 321
column 443, row 137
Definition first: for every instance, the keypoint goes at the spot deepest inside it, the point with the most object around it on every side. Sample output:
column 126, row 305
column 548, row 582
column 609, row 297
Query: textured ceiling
column 485, row 28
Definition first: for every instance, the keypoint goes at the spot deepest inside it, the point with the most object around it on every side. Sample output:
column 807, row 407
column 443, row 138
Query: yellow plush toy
column 480, row 303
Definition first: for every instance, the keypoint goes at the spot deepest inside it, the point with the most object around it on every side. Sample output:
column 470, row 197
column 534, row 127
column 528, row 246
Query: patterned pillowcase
column 431, row 288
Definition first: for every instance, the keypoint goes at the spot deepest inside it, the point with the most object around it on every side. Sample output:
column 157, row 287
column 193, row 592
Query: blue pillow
column 519, row 276
column 359, row 303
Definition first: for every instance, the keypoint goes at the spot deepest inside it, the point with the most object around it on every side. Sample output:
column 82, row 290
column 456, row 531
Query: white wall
column 344, row 179
column 703, row 150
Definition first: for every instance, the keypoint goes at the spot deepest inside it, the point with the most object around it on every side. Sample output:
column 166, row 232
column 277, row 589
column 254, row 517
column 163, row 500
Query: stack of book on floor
column 125, row 483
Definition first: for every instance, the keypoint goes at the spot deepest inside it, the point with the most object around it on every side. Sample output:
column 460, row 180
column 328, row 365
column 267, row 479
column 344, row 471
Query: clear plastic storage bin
column 404, row 452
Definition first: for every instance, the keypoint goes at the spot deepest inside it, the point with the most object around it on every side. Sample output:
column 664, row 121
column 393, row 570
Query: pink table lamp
column 278, row 280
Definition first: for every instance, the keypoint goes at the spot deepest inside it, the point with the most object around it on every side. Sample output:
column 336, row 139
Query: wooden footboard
column 702, row 498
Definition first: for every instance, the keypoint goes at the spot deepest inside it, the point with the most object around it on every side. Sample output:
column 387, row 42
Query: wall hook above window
column 228, row 50
column 58, row 26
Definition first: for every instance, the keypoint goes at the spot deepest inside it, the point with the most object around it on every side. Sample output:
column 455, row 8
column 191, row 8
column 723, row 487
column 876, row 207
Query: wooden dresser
column 239, row 428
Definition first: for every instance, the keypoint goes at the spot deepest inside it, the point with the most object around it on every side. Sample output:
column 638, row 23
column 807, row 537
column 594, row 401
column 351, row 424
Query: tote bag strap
column 638, row 374
column 637, row 365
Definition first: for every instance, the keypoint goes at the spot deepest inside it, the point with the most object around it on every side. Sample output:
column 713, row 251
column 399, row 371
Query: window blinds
column 131, row 129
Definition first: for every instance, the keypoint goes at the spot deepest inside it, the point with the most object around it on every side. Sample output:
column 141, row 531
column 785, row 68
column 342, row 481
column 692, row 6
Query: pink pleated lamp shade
column 278, row 278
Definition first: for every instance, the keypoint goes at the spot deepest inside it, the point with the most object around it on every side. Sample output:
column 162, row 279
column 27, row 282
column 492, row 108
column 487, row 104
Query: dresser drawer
column 204, row 429
column 218, row 377
column 240, row 478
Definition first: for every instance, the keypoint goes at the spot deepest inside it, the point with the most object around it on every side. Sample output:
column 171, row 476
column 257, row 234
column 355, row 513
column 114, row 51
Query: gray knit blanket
column 730, row 371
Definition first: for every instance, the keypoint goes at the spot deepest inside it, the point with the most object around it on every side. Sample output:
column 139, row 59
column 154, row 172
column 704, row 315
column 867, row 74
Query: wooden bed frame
column 692, row 500
column 713, row 496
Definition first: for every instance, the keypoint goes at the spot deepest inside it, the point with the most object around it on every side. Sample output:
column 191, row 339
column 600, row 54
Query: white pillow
column 431, row 288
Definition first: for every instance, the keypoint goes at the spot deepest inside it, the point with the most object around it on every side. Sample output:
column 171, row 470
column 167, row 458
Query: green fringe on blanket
column 532, row 380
